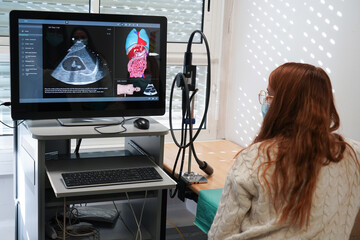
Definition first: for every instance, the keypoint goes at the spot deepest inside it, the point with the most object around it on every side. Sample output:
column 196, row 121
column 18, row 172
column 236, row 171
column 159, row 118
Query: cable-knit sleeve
column 236, row 198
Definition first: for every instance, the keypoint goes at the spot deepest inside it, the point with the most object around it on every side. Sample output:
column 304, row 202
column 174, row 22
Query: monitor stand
column 88, row 121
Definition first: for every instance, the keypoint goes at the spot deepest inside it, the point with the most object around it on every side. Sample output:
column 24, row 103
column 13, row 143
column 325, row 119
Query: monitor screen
column 76, row 65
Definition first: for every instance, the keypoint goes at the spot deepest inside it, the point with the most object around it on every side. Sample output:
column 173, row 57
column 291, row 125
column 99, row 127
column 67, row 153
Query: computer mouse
column 142, row 123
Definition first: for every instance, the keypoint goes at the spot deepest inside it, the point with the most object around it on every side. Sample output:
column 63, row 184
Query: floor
column 180, row 219
column 180, row 215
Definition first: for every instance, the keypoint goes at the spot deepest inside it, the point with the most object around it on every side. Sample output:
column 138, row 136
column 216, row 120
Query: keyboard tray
column 55, row 168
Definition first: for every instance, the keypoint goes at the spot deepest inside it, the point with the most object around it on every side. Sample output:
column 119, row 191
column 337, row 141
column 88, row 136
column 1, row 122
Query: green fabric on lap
column 208, row 201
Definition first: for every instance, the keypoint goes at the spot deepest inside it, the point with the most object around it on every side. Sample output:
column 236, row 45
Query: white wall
column 262, row 34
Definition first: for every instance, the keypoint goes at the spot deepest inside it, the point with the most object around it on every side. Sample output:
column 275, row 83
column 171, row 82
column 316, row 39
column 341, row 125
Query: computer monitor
column 78, row 65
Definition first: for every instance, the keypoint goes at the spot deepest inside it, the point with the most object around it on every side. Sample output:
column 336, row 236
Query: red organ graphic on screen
column 137, row 50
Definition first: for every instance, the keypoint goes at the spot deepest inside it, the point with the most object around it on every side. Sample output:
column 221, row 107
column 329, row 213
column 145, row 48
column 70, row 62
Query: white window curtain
column 184, row 16
column 47, row 5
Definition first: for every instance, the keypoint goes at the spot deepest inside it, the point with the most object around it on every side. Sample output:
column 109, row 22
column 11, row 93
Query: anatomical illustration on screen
column 81, row 65
column 137, row 49
column 127, row 89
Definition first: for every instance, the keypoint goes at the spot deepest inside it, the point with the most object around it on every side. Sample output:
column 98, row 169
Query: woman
column 298, row 179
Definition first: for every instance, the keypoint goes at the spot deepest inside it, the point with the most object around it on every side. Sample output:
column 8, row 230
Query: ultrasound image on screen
column 80, row 66
column 79, row 62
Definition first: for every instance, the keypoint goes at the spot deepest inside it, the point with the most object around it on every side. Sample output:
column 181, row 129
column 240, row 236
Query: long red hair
column 298, row 138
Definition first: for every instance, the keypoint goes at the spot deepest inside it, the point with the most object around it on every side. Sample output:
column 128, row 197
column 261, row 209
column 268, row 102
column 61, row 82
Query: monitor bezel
column 36, row 111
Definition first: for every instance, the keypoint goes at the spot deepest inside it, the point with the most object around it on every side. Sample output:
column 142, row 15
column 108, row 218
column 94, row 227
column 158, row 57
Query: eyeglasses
column 264, row 97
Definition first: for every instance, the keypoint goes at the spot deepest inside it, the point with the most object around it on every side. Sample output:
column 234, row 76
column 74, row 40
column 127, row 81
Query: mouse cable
column 79, row 140
column 124, row 129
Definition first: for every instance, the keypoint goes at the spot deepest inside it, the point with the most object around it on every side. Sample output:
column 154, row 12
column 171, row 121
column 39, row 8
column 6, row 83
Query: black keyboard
column 110, row 177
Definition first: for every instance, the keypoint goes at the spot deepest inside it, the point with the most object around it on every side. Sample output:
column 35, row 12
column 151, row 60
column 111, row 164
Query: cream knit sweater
column 245, row 211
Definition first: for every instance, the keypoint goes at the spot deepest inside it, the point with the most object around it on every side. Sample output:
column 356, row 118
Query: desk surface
column 219, row 154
